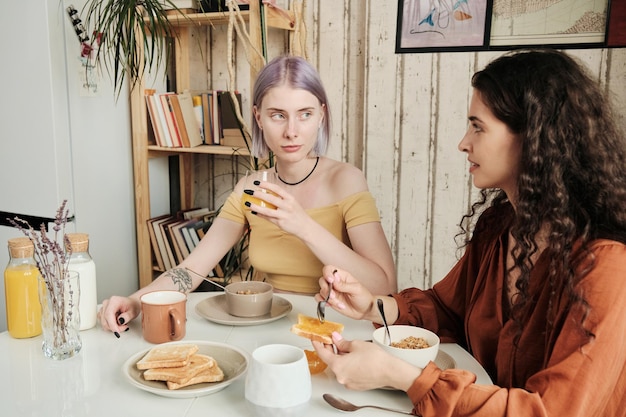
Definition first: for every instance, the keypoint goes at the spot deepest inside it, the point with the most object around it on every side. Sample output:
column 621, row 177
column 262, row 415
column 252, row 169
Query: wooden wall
column 399, row 117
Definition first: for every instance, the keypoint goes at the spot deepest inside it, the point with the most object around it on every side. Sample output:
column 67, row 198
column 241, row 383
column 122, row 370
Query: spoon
column 343, row 405
column 321, row 306
column 381, row 309
column 206, row 279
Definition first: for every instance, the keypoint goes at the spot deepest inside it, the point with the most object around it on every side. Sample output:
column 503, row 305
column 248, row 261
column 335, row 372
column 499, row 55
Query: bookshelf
column 143, row 151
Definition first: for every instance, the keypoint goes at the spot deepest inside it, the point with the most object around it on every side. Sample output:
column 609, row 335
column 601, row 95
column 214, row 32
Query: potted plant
column 119, row 27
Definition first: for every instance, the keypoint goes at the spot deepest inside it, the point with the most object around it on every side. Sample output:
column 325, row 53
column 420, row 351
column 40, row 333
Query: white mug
column 278, row 382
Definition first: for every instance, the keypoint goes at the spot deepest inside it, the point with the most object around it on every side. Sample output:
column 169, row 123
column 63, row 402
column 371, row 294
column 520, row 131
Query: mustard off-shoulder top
column 286, row 261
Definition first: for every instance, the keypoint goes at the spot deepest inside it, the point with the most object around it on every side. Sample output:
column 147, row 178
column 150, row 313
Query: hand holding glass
column 251, row 176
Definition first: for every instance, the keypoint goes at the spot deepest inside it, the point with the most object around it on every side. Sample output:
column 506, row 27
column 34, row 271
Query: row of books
column 173, row 237
column 186, row 120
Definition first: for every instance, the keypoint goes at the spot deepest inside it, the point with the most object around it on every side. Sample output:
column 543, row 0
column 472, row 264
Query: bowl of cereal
column 414, row 345
column 249, row 298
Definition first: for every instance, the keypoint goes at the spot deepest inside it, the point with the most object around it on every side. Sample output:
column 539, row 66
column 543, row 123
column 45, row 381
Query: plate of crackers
column 186, row 369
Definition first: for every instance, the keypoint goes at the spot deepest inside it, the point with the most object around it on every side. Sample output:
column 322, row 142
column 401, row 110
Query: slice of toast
column 196, row 365
column 167, row 356
column 212, row 374
column 313, row 329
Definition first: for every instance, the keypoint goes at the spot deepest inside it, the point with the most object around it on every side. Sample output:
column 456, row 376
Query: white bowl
column 417, row 357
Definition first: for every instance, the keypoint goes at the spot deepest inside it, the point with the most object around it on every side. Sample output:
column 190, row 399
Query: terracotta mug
column 163, row 316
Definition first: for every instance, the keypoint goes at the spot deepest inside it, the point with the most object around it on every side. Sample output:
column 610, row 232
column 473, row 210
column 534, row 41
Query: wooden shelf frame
column 143, row 151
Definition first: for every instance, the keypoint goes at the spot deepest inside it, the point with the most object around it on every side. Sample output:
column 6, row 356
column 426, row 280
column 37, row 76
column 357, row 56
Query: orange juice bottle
column 21, row 294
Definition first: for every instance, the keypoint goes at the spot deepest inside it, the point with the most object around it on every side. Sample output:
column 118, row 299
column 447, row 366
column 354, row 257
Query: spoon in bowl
column 381, row 309
column 343, row 405
column 206, row 279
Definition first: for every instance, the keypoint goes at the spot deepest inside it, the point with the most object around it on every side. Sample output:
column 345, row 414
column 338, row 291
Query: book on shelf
column 169, row 119
column 185, row 231
column 207, row 116
column 179, row 120
column 167, row 138
column 183, row 245
column 176, row 239
column 154, row 117
column 198, row 213
column 161, row 245
column 197, row 110
column 217, row 119
column 172, row 236
column 154, row 243
column 169, row 244
column 193, row 128
column 231, row 132
column 202, row 228
column 193, row 234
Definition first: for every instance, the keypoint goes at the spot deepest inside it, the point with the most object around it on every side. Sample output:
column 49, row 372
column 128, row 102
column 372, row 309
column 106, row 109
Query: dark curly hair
column 572, row 174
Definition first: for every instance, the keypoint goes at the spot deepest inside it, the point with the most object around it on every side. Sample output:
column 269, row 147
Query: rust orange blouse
column 555, row 370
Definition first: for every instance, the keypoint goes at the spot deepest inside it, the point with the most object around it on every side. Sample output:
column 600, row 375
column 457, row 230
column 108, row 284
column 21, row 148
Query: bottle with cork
column 21, row 295
column 81, row 262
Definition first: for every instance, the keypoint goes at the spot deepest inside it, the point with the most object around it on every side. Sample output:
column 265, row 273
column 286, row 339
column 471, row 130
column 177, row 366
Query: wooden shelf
column 143, row 151
column 275, row 19
column 204, row 19
column 156, row 151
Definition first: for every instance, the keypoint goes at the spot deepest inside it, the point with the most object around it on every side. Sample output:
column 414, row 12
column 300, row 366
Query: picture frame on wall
column 616, row 28
column 442, row 25
column 476, row 25
column 548, row 23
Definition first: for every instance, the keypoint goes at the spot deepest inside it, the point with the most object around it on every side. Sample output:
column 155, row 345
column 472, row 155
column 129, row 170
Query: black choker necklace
column 302, row 180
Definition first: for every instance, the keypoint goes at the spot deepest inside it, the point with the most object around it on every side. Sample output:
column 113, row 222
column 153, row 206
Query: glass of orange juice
column 251, row 176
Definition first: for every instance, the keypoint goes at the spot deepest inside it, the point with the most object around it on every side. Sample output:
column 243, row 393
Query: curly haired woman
column 538, row 297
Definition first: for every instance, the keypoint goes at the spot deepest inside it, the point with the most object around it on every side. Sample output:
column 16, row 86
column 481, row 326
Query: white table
column 92, row 383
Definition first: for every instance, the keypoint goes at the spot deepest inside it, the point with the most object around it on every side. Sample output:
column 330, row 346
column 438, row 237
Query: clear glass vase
column 60, row 317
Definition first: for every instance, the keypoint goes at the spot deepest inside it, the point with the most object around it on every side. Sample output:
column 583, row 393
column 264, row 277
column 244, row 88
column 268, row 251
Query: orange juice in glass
column 251, row 176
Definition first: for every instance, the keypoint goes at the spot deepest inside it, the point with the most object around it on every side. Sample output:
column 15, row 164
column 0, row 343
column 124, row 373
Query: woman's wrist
column 401, row 375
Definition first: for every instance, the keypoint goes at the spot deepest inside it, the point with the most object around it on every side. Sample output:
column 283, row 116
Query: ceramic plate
column 444, row 361
column 214, row 309
column 233, row 362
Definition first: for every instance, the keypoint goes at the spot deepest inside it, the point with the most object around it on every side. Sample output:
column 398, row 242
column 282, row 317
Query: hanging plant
column 120, row 27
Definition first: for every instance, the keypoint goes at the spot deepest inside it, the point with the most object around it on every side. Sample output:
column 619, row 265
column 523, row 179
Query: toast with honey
column 312, row 328
column 167, row 356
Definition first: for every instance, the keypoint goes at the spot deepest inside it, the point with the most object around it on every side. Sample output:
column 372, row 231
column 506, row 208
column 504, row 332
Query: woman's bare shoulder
column 345, row 177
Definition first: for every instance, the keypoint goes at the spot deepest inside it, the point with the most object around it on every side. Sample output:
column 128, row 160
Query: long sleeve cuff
column 423, row 383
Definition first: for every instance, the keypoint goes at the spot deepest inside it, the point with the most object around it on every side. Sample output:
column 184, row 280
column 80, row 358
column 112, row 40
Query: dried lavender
column 59, row 302
column 51, row 257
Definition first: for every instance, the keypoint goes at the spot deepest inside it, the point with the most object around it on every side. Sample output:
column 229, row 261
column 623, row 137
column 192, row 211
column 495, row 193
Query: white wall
column 58, row 144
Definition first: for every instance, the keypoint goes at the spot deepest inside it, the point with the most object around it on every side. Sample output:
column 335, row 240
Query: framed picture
column 442, row 25
column 563, row 23
column 616, row 28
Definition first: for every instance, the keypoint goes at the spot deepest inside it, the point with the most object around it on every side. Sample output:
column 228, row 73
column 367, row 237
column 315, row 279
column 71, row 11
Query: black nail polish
column 249, row 192
column 116, row 334
column 256, row 182
column 121, row 320
column 247, row 204
column 127, row 329
column 253, row 212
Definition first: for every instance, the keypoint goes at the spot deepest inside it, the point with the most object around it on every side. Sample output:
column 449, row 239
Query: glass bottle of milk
column 81, row 261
